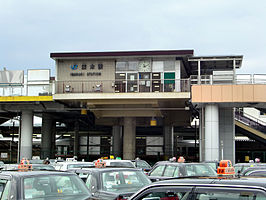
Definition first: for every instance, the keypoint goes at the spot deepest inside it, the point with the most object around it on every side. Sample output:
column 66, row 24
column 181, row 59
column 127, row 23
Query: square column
column 26, row 125
column 211, row 132
column 47, row 136
column 117, row 141
column 129, row 140
column 227, row 134
column 168, row 132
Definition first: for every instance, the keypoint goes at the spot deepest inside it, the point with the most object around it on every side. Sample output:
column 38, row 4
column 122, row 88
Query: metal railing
column 250, row 120
column 126, row 86
column 228, row 79
column 27, row 89
column 123, row 86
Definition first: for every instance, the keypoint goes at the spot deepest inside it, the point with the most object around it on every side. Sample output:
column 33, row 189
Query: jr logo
column 74, row 67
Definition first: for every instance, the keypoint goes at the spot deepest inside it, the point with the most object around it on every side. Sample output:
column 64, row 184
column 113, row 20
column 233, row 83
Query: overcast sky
column 32, row 29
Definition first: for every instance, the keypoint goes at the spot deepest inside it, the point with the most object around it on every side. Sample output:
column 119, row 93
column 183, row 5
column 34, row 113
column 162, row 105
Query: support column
column 117, row 141
column 129, row 140
column 211, row 132
column 53, row 142
column 26, row 134
column 227, row 134
column 46, row 143
column 168, row 132
column 76, row 139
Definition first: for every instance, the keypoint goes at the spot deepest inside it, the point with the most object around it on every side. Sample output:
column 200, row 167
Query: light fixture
column 153, row 122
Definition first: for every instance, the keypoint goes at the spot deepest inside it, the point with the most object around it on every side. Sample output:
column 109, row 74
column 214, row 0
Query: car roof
column 107, row 169
column 30, row 173
column 245, row 181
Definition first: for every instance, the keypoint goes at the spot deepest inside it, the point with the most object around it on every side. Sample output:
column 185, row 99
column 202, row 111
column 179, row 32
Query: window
column 166, row 193
column 228, row 194
column 50, row 186
column 169, row 171
column 169, row 65
column 158, row 171
column 4, row 189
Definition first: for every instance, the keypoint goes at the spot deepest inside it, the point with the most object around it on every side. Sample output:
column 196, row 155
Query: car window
column 49, row 186
column 199, row 170
column 142, row 164
column 165, row 193
column 88, row 182
column 228, row 194
column 122, row 164
column 123, row 181
column 169, row 171
column 158, row 171
column 5, row 189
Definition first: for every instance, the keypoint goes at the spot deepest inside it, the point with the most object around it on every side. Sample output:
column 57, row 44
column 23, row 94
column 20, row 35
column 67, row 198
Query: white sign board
column 38, row 75
column 4, row 155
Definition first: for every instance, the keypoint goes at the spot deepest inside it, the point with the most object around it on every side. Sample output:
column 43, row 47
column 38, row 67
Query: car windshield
column 121, row 181
column 142, row 164
column 70, row 166
column 54, row 186
column 200, row 170
column 43, row 167
column 122, row 164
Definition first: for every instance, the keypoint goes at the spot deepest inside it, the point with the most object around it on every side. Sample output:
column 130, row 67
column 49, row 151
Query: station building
column 137, row 104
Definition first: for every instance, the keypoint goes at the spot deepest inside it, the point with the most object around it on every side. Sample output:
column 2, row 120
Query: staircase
column 250, row 126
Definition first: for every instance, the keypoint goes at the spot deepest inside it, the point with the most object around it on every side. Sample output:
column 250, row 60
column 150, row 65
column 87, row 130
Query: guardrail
column 229, row 79
column 123, row 86
column 126, row 86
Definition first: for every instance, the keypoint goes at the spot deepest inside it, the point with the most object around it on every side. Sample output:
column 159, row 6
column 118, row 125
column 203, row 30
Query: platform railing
column 27, row 89
column 123, row 86
column 238, row 79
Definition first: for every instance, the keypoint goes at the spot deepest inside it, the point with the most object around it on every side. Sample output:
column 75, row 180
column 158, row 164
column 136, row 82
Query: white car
column 119, row 163
column 64, row 166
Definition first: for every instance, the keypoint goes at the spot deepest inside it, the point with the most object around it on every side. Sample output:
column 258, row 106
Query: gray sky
column 32, row 29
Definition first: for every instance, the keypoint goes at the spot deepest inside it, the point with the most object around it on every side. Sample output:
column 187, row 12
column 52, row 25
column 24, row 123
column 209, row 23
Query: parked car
column 1, row 164
column 118, row 163
column 250, row 169
column 204, row 189
column 64, row 166
column 257, row 172
column 42, row 185
column 213, row 163
column 240, row 167
column 166, row 170
column 109, row 183
column 142, row 164
column 33, row 166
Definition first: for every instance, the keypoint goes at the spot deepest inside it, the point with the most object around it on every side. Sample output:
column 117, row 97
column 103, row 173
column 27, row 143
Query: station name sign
column 84, row 67
column 88, row 74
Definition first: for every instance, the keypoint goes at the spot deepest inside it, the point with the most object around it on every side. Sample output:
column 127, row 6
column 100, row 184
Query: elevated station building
column 135, row 104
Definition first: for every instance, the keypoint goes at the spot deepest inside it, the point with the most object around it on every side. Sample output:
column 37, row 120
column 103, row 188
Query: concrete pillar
column 129, row 140
column 211, row 132
column 201, row 135
column 227, row 134
column 168, row 132
column 53, row 138
column 76, row 138
column 46, row 143
column 26, row 134
column 117, row 141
